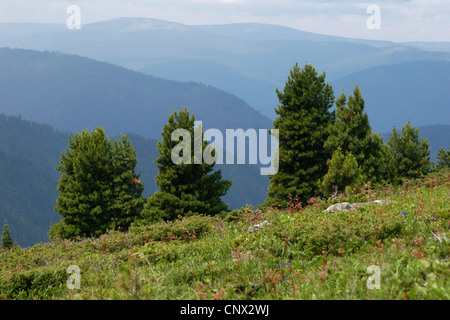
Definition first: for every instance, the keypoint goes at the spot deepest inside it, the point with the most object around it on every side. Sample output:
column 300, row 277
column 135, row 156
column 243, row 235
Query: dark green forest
column 27, row 197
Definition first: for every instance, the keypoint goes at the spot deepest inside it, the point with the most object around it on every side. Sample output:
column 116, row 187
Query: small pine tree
column 7, row 241
column 343, row 174
column 412, row 156
column 443, row 159
column 187, row 188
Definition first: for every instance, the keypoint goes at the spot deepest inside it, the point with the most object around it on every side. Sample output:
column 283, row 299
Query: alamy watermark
column 374, row 20
column 213, row 153
column 74, row 281
column 373, row 282
column 73, row 22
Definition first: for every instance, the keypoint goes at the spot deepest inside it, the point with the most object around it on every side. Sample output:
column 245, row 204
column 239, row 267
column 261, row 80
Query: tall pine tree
column 351, row 129
column 98, row 188
column 302, row 119
column 189, row 187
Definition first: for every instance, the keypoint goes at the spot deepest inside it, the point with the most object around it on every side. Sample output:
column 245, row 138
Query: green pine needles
column 343, row 172
column 303, row 118
column 358, row 156
column 443, row 159
column 99, row 189
column 185, row 189
column 412, row 156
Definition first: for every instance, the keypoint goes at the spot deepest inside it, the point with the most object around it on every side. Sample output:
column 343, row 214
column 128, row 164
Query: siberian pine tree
column 98, row 187
column 443, row 159
column 190, row 187
column 302, row 119
column 127, row 188
column 351, row 129
column 412, row 156
column 7, row 241
column 379, row 165
column 351, row 133
column 343, row 174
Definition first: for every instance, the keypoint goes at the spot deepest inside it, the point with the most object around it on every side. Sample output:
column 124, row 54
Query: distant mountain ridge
column 419, row 91
column 73, row 93
column 249, row 60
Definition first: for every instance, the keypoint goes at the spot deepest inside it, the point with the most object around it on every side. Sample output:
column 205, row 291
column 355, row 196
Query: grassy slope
column 302, row 254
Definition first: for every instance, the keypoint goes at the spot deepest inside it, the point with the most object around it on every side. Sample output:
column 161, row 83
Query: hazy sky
column 400, row 20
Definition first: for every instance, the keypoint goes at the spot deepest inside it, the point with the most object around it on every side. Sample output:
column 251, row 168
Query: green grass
column 302, row 254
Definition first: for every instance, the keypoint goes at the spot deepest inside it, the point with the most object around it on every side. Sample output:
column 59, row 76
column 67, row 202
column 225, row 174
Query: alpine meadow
column 142, row 159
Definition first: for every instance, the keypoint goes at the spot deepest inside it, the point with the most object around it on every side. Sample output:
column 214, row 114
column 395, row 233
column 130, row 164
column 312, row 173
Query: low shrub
column 184, row 229
column 313, row 233
column 38, row 283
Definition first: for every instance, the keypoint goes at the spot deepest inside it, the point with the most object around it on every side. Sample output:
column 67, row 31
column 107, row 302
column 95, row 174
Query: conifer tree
column 351, row 129
column 411, row 154
column 379, row 165
column 351, row 133
column 302, row 119
column 98, row 187
column 187, row 188
column 343, row 174
column 7, row 241
column 443, row 159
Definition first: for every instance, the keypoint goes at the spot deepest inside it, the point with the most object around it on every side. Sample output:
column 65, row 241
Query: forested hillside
column 73, row 93
column 37, row 142
column 27, row 196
